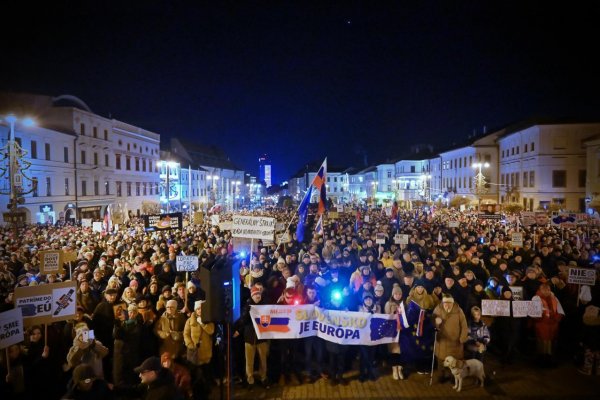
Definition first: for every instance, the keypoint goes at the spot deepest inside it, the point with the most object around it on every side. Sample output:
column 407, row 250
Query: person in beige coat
column 453, row 331
column 169, row 328
column 198, row 337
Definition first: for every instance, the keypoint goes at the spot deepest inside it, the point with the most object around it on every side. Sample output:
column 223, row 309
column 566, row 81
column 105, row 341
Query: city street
column 519, row 381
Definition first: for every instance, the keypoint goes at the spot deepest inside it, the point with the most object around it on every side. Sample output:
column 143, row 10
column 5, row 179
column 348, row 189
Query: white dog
column 461, row 369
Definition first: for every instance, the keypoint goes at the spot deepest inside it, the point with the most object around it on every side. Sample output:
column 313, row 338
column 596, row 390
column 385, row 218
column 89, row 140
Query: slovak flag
column 319, row 184
column 319, row 226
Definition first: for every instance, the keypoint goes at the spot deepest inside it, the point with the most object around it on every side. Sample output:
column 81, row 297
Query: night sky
column 301, row 81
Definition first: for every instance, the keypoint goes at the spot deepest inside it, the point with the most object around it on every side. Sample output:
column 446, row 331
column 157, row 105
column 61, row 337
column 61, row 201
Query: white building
column 544, row 163
column 110, row 162
column 411, row 180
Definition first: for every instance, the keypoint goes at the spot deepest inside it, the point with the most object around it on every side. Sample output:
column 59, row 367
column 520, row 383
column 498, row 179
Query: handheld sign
column 11, row 328
column 44, row 304
column 582, row 276
column 517, row 239
column 380, row 238
column 51, row 262
column 186, row 263
column 400, row 238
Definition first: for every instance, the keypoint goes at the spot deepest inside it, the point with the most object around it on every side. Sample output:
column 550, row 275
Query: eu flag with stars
column 383, row 327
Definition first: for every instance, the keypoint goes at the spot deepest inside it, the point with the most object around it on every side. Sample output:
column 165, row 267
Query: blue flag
column 382, row 328
column 302, row 214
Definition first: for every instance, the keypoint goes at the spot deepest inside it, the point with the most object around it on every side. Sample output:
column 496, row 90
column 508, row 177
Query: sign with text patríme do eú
column 44, row 304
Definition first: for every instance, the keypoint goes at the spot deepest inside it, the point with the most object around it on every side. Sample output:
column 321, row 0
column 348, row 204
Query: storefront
column 46, row 214
column 90, row 212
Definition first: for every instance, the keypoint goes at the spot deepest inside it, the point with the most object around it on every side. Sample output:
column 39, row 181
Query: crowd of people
column 139, row 332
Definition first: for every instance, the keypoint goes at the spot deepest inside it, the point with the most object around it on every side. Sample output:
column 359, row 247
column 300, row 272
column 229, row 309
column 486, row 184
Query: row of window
column 147, row 165
column 462, row 162
column 335, row 179
column 515, row 150
column 559, row 179
column 82, row 130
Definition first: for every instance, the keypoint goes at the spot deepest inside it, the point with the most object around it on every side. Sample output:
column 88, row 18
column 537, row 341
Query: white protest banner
column 86, row 222
column 51, row 262
column 535, row 307
column 215, row 219
column 253, row 227
column 453, row 224
column 283, row 238
column 499, row 308
column 11, row 328
column 582, row 276
column 44, row 304
column 367, row 218
column 340, row 208
column 186, row 263
column 225, row 225
column 520, row 308
column 343, row 327
column 517, row 239
column 380, row 238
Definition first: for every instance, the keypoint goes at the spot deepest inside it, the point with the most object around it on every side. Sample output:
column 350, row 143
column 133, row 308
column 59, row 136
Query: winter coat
column 546, row 327
column 244, row 324
column 170, row 330
column 452, row 333
column 198, row 340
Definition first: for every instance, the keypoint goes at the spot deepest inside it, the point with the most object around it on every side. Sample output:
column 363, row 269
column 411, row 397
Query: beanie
column 378, row 286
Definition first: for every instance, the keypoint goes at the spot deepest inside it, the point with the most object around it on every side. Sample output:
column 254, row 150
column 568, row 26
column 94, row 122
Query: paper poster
column 380, row 239
column 97, row 226
column 582, row 276
column 51, row 262
column 11, row 328
column 535, row 308
column 63, row 302
column 44, row 304
column 186, row 263
column 520, row 308
column 517, row 292
column 517, row 239
column 499, row 308
column 86, row 222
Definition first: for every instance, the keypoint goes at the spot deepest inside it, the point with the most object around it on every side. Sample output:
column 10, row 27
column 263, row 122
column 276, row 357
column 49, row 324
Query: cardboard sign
column 283, row 238
column 333, row 215
column 44, row 304
column 582, row 276
column 186, row 263
column 517, row 292
column 523, row 309
column 517, row 239
column 11, row 328
column 253, row 227
column 51, row 262
column 453, row 224
column 86, row 222
column 198, row 218
column 380, row 239
column 499, row 308
column 69, row 256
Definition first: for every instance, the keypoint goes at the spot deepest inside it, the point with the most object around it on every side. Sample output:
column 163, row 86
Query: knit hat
column 166, row 288
column 172, row 303
column 190, row 284
column 367, row 294
column 447, row 298
column 255, row 290
column 198, row 304
column 378, row 286
column 83, row 373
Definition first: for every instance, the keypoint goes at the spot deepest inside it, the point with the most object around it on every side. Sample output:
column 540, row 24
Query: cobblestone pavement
column 518, row 381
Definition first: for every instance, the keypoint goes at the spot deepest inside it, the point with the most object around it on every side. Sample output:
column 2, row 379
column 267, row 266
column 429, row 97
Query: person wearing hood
column 367, row 353
column 453, row 331
column 395, row 306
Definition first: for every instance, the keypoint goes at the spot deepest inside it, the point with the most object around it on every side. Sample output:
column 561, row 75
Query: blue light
column 336, row 295
column 242, row 254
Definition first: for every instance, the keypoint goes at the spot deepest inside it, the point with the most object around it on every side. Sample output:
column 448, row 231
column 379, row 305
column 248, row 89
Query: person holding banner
column 395, row 306
column 546, row 327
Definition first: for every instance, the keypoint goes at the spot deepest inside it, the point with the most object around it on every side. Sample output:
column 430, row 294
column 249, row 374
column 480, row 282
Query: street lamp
column 16, row 167
column 479, row 179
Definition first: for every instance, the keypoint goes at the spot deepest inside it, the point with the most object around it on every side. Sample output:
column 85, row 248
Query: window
column 532, row 146
column 106, row 160
column 83, row 188
column 96, row 188
column 105, row 134
column 487, row 158
column 502, row 153
column 559, row 178
column 128, row 189
column 512, row 151
column 525, row 151
column 412, row 169
column 95, row 158
column 117, row 161
column 470, row 160
column 143, row 165
column 106, row 188
column 144, row 189
column 389, row 175
column 517, row 175
column 531, row 178
column 66, row 154
column 47, row 151
column 48, row 186
column 137, row 164
column 128, row 163
column 502, row 179
column 119, row 193
column 33, row 149
column 82, row 128
column 95, row 131
column 525, row 179
column 582, row 177
column 460, row 163
column 18, row 140
column 137, row 188
column 128, row 146
column 66, row 186
column 82, row 156
column 517, row 149
column 34, row 181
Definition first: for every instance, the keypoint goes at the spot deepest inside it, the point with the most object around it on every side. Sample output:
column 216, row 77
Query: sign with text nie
column 582, row 276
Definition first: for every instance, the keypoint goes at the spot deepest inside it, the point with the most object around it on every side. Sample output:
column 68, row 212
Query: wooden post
column 7, row 362
column 578, row 293
column 45, row 335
